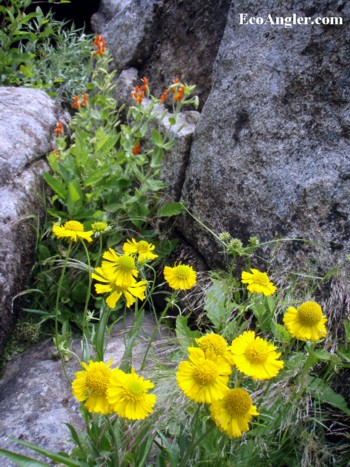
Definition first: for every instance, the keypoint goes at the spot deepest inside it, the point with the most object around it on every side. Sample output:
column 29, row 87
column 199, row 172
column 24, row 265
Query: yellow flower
column 142, row 248
column 180, row 277
column 204, row 377
column 233, row 412
column 90, row 386
column 136, row 289
column 73, row 230
column 258, row 282
column 255, row 356
column 215, row 344
column 120, row 267
column 127, row 394
column 307, row 323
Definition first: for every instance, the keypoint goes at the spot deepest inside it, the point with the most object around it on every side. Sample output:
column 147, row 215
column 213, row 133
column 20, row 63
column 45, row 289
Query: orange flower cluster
column 177, row 89
column 137, row 149
column 139, row 92
column 100, row 44
column 164, row 96
column 59, row 128
column 76, row 104
column 179, row 94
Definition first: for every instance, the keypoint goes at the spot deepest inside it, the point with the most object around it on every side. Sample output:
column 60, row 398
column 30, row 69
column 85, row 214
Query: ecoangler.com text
column 289, row 21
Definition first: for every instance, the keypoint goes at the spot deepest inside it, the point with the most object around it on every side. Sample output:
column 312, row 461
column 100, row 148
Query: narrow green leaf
column 65, row 460
column 21, row 461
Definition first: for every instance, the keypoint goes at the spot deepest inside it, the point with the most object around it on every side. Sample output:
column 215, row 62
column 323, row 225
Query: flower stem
column 57, row 312
column 157, row 328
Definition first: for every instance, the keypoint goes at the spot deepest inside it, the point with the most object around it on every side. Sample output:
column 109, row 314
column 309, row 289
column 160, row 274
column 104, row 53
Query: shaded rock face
column 164, row 39
column 270, row 155
column 27, row 118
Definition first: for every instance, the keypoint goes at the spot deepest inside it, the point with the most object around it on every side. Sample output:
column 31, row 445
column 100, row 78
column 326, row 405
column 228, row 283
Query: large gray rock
column 270, row 155
column 27, row 119
column 164, row 39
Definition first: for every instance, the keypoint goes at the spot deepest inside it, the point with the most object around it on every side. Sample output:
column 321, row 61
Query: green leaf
column 75, row 192
column 215, row 305
column 64, row 459
column 153, row 185
column 346, row 323
column 317, row 388
column 280, row 332
column 21, row 461
column 170, row 209
column 57, row 186
column 184, row 334
column 106, row 144
column 157, row 138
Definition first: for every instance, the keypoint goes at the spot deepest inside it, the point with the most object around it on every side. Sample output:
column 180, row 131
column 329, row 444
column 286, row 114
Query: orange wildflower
column 180, row 94
column 84, row 102
column 138, row 95
column 144, row 87
column 137, row 148
column 75, row 104
column 59, row 128
column 164, row 96
column 100, row 44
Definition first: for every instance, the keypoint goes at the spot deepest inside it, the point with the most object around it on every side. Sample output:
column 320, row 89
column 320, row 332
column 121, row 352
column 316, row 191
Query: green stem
column 88, row 293
column 57, row 312
column 204, row 226
column 157, row 328
column 116, row 461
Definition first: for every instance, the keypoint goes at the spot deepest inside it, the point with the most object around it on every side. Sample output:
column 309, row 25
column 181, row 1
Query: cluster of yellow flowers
column 306, row 323
column 105, row 391
column 204, row 377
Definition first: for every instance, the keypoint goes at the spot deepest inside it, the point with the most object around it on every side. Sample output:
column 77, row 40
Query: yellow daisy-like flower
column 233, row 412
column 215, row 344
column 204, row 377
column 255, row 356
column 306, row 323
column 73, row 230
column 258, row 282
column 123, row 267
column 109, row 285
column 127, row 394
column 180, row 277
column 90, row 386
column 142, row 248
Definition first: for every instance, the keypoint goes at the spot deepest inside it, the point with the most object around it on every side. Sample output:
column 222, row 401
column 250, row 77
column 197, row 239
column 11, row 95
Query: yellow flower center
column 182, row 272
column 126, row 263
column 257, row 351
column 214, row 343
column 237, row 402
column 309, row 314
column 143, row 247
column 205, row 372
column 261, row 278
column 97, row 380
column 74, row 226
column 135, row 387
